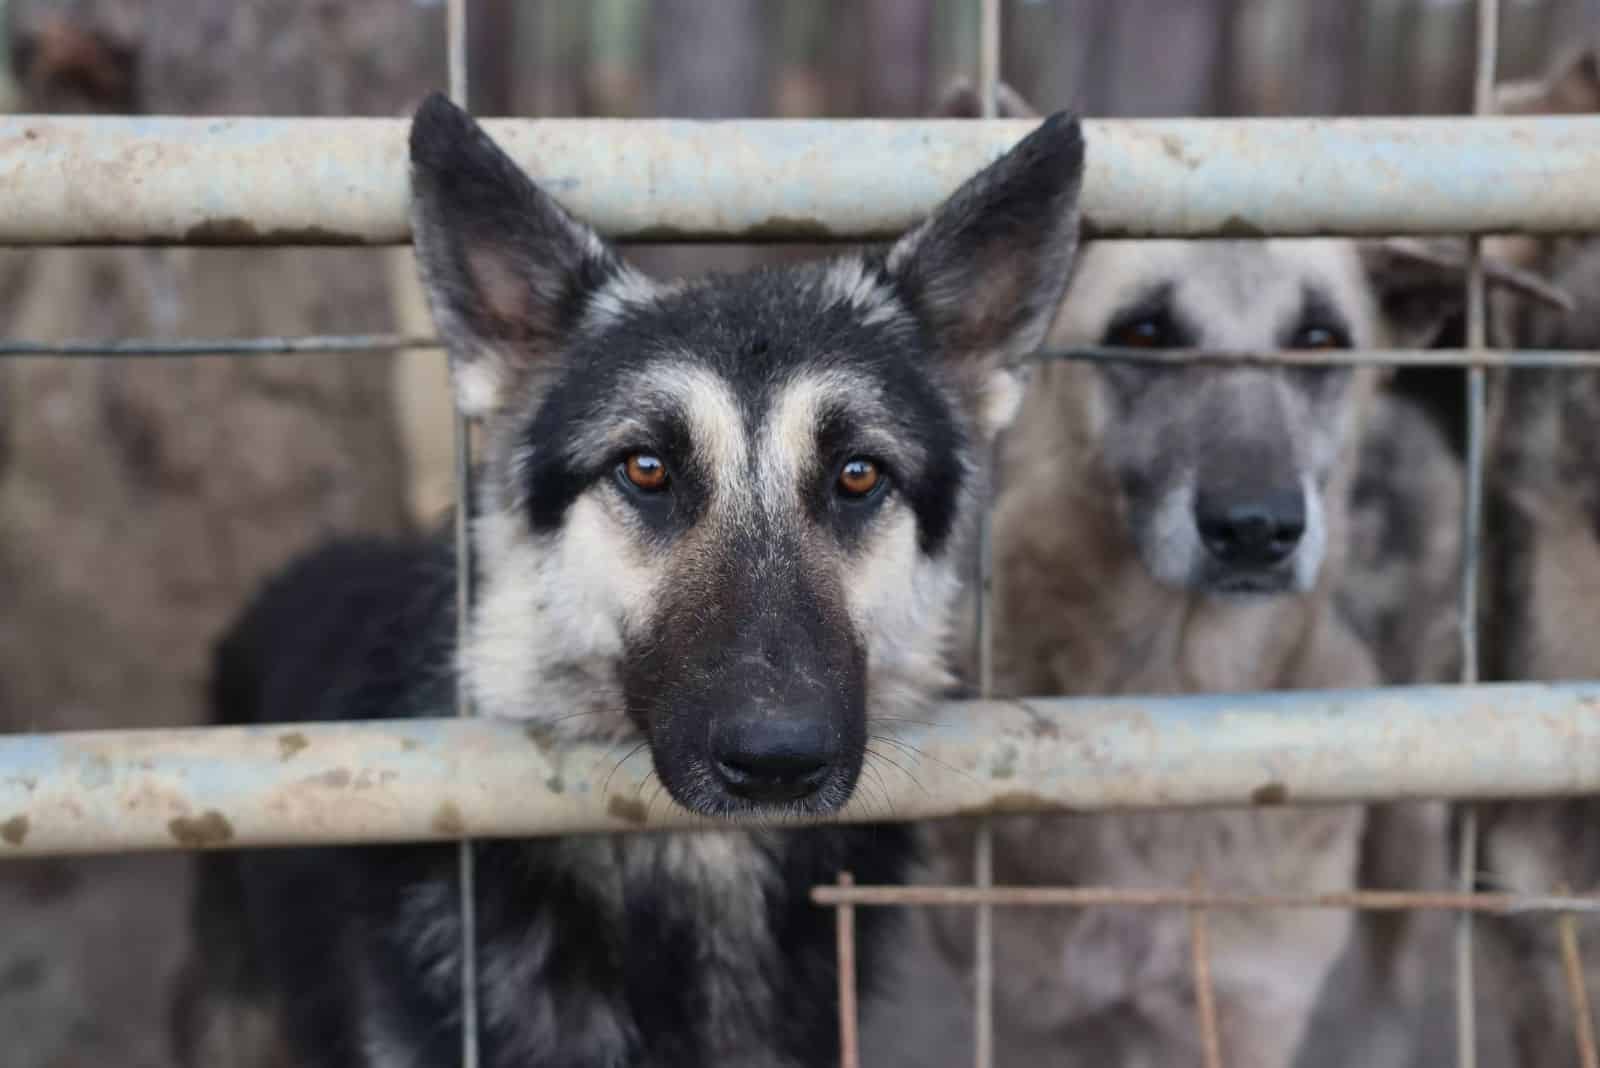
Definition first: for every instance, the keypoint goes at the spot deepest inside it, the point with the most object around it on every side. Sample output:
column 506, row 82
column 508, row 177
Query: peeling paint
column 628, row 810
column 1273, row 793
column 210, row 829
column 447, row 821
column 291, row 743
column 541, row 735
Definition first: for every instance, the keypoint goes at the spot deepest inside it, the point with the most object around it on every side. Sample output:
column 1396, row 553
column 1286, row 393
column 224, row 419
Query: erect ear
column 507, row 271
column 960, row 101
column 1571, row 88
column 1421, row 286
column 987, row 270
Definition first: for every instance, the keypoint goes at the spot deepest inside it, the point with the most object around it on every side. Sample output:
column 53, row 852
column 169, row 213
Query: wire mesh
column 983, row 896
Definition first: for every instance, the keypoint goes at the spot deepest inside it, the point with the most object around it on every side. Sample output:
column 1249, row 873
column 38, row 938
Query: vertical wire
column 456, row 45
column 849, row 1013
column 1471, row 535
column 983, row 849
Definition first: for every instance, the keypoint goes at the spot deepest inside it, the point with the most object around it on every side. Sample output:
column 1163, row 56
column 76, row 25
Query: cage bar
column 248, row 181
column 1488, row 12
column 1197, row 897
column 163, row 348
column 983, row 624
column 445, row 779
column 461, row 431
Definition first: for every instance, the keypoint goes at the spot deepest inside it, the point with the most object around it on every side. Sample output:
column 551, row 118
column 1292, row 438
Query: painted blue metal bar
column 445, row 778
column 84, row 180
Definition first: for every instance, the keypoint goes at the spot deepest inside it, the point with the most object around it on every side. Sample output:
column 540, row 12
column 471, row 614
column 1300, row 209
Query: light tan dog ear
column 1420, row 285
column 960, row 101
column 1572, row 87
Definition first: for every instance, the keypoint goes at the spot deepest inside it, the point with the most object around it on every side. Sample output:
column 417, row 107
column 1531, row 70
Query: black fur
column 365, row 630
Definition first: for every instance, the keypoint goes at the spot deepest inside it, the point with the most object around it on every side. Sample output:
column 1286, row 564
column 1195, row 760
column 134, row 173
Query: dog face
column 725, row 517
column 1221, row 472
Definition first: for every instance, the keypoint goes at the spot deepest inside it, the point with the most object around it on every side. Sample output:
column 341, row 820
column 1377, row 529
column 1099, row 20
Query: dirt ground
column 88, row 949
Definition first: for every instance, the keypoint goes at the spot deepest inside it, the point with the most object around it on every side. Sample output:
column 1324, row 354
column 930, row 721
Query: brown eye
column 646, row 472
column 1319, row 337
column 1149, row 333
column 858, row 478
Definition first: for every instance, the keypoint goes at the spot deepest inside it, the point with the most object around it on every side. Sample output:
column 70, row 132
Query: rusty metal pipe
column 407, row 780
column 248, row 181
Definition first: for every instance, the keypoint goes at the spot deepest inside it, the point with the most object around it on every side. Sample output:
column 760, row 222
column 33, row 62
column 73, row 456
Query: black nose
column 773, row 757
column 1253, row 528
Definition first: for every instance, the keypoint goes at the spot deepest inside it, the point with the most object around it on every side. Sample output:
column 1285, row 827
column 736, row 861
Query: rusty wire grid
column 378, row 225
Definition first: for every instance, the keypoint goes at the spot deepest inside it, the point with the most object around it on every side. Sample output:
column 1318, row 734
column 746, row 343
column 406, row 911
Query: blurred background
column 141, row 501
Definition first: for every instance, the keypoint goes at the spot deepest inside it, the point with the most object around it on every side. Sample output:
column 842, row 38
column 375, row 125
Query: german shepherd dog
column 723, row 520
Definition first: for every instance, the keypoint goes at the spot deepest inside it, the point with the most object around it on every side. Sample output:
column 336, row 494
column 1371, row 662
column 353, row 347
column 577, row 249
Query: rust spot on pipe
column 1234, row 226
column 15, row 830
column 541, row 735
column 235, row 230
column 290, row 744
column 1022, row 801
column 1172, row 147
column 1273, row 793
column 773, row 228
column 210, row 828
column 230, row 228
column 448, row 822
column 1005, row 765
column 627, row 810
column 786, row 228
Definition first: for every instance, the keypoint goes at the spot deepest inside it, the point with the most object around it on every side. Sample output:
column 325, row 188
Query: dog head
column 1228, row 477
column 726, row 516
column 1221, row 472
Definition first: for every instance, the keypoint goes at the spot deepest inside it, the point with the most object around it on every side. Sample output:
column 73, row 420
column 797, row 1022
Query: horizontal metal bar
column 445, row 778
column 245, row 181
column 223, row 346
column 358, row 343
column 1160, row 897
column 1529, row 358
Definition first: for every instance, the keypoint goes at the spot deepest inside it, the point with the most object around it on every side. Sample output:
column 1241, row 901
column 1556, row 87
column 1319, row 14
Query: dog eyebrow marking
column 709, row 407
column 801, row 408
column 673, row 392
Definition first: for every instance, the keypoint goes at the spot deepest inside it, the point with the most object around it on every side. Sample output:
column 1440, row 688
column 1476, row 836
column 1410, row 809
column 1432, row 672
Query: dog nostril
column 1251, row 531
column 772, row 781
column 772, row 761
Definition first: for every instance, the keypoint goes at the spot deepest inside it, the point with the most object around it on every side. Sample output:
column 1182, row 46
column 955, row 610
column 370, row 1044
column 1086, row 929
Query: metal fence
column 342, row 181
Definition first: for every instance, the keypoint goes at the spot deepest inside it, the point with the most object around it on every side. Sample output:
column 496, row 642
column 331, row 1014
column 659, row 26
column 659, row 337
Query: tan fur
column 1077, row 611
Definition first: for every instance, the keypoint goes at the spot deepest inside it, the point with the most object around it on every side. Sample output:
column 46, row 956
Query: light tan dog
column 1186, row 530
